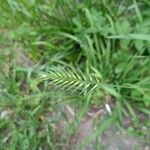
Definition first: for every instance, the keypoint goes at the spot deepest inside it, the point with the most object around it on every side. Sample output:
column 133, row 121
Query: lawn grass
column 54, row 53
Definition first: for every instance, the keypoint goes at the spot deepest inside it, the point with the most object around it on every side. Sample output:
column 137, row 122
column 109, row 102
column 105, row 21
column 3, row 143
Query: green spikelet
column 73, row 80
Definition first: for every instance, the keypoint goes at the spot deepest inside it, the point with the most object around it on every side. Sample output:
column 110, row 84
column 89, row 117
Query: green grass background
column 98, row 47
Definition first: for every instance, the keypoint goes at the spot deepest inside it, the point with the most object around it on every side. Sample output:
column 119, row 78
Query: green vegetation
column 91, row 48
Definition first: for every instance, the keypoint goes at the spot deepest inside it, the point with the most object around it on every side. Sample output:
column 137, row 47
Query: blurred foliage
column 107, row 39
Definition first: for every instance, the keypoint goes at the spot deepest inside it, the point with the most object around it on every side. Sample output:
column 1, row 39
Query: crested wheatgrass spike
column 70, row 79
